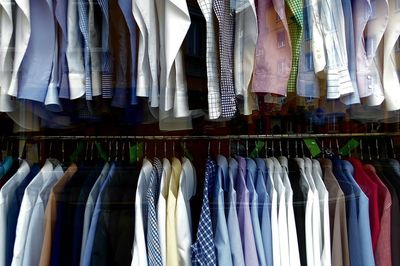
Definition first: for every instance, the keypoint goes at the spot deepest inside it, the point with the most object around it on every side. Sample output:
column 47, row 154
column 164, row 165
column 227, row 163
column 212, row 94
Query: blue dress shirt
column 221, row 237
column 251, row 178
column 93, row 224
column 36, row 67
column 367, row 254
column 6, row 165
column 263, row 209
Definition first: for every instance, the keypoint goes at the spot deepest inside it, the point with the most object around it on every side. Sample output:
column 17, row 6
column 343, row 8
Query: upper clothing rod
column 224, row 137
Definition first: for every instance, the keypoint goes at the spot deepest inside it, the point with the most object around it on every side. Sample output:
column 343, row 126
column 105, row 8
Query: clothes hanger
column 392, row 147
column 361, row 150
column 209, row 150
column 116, row 150
column 266, row 148
column 288, row 148
column 338, row 149
column 323, row 148
column 123, row 151
column 247, row 148
column 280, row 148
column 296, row 148
column 377, row 149
column 219, row 146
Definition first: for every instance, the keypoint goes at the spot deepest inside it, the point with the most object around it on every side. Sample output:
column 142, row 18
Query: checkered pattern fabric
column 84, row 27
column 294, row 9
column 214, row 95
column 226, row 20
column 106, row 79
column 203, row 250
column 153, row 239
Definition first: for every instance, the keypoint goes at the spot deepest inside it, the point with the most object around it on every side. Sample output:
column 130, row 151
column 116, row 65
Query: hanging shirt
column 139, row 243
column 309, row 212
column 6, row 194
column 370, row 189
column 316, row 215
column 272, row 65
column 183, row 224
column 231, row 213
column 246, row 33
column 337, row 216
column 251, row 174
column 74, row 53
column 388, row 174
column 383, row 251
column 391, row 63
column 115, row 229
column 263, row 209
column 89, row 207
column 171, row 233
column 282, row 213
column 162, row 208
column 218, row 207
column 6, row 55
column 276, row 254
column 28, row 204
column 324, row 213
column 317, row 35
column 362, row 222
column 214, row 95
column 35, row 233
column 15, row 207
column 333, row 32
column 294, row 256
column 126, row 8
column 352, row 98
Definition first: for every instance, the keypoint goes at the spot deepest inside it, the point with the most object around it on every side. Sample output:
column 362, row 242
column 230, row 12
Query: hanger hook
column 288, row 148
column 155, row 149
column 323, row 148
column 91, row 151
column 247, row 148
column 123, row 151
column 361, row 150
column 296, row 148
column 273, row 148
column 86, row 150
column 280, row 147
column 219, row 146
column 337, row 148
column 145, row 149
column 266, row 148
column 165, row 148
column 377, row 149
column 238, row 147
column 392, row 146
column 109, row 151
column 209, row 149
column 62, row 152
column 116, row 150
column 302, row 149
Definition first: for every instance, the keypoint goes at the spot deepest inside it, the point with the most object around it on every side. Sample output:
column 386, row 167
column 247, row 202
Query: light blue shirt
column 221, row 237
column 93, row 224
column 263, row 209
column 251, row 177
column 37, row 63
column 231, row 213
column 366, row 252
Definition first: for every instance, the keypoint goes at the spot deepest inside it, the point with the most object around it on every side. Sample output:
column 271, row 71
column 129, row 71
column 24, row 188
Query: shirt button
column 370, row 87
column 369, row 77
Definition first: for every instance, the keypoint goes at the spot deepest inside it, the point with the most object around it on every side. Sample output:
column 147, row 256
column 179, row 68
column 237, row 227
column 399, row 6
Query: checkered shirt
column 226, row 20
column 295, row 23
column 153, row 238
column 203, row 250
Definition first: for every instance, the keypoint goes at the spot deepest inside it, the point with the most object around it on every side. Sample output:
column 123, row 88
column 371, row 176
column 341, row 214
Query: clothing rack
column 223, row 137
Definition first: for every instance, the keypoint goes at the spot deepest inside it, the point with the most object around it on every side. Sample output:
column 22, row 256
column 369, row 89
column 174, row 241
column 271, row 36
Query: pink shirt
column 273, row 59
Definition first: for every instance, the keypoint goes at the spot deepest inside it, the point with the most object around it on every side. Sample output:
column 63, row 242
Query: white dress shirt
column 187, row 189
column 6, row 194
column 308, row 195
column 317, row 37
column 174, row 109
column 246, row 33
column 6, row 55
column 22, row 33
column 162, row 208
column 143, row 65
column 28, row 203
column 139, row 256
column 282, row 213
column 276, row 253
column 324, row 213
column 294, row 255
column 316, row 217
column 391, row 63
column 74, row 53
column 35, row 234
column 89, row 207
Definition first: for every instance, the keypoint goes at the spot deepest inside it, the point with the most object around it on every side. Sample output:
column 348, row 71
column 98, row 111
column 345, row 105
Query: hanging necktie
column 203, row 250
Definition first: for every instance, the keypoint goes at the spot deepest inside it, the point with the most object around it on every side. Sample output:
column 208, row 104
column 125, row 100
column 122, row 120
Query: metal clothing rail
column 224, row 137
